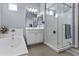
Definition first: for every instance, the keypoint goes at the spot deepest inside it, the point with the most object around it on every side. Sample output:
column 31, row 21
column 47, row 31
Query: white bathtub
column 9, row 47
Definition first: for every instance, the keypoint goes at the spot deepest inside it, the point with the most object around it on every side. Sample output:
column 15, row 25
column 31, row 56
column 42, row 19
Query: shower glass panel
column 57, row 15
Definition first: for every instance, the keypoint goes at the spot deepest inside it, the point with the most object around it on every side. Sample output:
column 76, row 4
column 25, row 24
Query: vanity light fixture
column 32, row 9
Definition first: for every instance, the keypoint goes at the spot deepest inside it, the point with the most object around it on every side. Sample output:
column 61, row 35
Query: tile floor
column 43, row 50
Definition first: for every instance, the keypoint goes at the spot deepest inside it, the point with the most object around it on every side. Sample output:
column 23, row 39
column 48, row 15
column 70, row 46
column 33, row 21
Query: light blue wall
column 0, row 14
column 13, row 18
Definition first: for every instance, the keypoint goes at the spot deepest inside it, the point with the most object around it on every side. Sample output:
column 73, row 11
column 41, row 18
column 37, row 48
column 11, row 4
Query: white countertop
column 34, row 28
column 10, row 47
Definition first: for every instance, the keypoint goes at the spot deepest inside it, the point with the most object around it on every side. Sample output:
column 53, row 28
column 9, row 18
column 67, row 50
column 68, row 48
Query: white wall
column 0, row 14
column 16, row 19
column 42, row 7
column 76, row 25
column 43, row 10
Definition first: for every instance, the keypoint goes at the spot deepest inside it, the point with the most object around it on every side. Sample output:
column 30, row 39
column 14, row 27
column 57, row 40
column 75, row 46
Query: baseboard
column 25, row 54
column 64, row 48
column 56, row 49
column 34, row 44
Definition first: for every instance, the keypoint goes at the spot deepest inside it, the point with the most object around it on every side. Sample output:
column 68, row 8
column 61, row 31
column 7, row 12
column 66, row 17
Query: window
column 12, row 7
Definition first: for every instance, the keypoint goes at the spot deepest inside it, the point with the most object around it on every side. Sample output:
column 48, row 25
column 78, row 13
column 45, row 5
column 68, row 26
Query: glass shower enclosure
column 59, row 25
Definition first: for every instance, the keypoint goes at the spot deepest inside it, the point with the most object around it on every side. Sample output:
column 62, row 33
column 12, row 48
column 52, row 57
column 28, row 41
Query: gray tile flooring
column 43, row 50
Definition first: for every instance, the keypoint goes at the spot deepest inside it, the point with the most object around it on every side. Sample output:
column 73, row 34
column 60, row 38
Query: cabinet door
column 34, row 36
column 29, row 37
column 38, row 36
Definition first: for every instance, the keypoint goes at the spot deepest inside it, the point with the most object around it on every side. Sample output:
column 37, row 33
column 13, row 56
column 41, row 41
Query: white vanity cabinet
column 34, row 36
column 13, row 43
column 15, row 34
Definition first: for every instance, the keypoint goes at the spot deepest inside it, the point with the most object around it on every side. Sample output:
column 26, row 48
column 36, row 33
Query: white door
column 51, row 30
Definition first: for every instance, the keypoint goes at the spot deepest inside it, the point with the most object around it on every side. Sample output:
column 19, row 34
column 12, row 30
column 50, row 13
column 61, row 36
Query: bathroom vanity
column 34, row 27
column 34, row 35
column 12, row 43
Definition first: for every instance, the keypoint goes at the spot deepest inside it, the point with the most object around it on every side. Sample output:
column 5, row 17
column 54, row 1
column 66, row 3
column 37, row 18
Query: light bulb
column 35, row 10
column 30, row 9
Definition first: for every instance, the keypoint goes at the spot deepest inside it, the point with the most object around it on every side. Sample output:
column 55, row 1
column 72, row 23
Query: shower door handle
column 54, row 32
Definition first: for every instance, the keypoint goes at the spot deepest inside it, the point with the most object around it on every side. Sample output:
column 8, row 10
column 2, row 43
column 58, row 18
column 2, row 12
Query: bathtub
column 9, row 47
